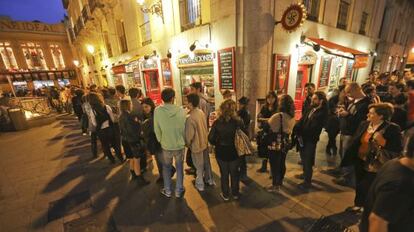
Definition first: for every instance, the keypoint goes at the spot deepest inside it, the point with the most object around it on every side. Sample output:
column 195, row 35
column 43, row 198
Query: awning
column 333, row 46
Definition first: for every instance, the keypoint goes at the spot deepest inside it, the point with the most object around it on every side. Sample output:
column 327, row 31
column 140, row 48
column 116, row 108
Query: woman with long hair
column 269, row 109
column 281, row 126
column 222, row 136
column 102, row 119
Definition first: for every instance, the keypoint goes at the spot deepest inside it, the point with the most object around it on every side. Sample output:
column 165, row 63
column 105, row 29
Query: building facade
column 225, row 44
column 34, row 54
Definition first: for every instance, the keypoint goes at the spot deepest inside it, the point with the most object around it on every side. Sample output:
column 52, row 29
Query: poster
column 166, row 73
column 226, row 68
column 324, row 71
column 281, row 74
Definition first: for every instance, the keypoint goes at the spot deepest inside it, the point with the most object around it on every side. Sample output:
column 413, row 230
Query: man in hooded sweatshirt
column 169, row 125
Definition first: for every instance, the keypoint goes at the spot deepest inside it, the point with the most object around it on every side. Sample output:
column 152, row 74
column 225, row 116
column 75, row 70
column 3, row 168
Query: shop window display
column 34, row 56
column 57, row 56
column 8, row 56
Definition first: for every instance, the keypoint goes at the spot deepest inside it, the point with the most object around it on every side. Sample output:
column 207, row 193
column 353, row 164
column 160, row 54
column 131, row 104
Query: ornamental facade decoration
column 293, row 17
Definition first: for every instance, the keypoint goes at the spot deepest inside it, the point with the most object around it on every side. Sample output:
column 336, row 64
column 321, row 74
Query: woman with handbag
column 376, row 141
column 281, row 125
column 222, row 136
column 269, row 109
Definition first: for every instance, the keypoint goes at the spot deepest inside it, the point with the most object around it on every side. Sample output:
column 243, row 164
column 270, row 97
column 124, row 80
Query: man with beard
column 310, row 90
column 309, row 128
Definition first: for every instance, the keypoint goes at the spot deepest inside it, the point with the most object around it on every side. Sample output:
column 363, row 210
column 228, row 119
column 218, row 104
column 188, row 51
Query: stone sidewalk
column 49, row 182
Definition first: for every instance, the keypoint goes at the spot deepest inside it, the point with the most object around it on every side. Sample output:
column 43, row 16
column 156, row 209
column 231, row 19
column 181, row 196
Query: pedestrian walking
column 196, row 138
column 131, row 133
column 222, row 136
column 169, row 124
column 309, row 129
column 281, row 125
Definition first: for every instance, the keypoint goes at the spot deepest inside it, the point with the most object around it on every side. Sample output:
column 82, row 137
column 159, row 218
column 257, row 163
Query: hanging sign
column 324, row 71
column 226, row 68
column 361, row 61
column 293, row 17
column 119, row 69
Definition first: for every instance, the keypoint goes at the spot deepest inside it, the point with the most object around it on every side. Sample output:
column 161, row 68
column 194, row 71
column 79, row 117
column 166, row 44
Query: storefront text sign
column 201, row 58
column 149, row 64
column 226, row 68
column 118, row 69
column 361, row 61
column 324, row 71
column 7, row 25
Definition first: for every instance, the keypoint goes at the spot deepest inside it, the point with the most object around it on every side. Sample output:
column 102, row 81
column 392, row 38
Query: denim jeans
column 167, row 159
column 229, row 168
column 307, row 155
column 202, row 164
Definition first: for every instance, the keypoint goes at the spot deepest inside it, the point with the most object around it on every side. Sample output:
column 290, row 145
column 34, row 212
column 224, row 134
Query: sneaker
column 165, row 193
column 299, row 176
column 354, row 209
column 225, row 198
column 180, row 195
column 200, row 189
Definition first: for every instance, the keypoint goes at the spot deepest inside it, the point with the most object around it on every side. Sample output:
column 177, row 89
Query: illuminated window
column 8, row 56
column 145, row 30
column 57, row 56
column 343, row 15
column 190, row 13
column 312, row 8
column 34, row 56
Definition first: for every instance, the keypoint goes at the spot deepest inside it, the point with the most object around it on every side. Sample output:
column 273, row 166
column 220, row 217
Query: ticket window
column 152, row 86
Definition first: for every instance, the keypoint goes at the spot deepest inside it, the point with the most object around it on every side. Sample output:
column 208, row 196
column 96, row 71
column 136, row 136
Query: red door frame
column 300, row 89
column 154, row 94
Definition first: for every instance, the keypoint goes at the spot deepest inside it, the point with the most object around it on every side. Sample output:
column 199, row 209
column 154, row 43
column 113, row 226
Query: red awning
column 331, row 45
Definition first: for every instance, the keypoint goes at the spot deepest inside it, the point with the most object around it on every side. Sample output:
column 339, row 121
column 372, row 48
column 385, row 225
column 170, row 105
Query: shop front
column 151, row 77
column 324, row 63
column 118, row 73
column 133, row 76
column 197, row 67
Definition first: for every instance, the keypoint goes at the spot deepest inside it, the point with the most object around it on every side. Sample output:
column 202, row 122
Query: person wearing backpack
column 281, row 126
column 131, row 134
column 102, row 119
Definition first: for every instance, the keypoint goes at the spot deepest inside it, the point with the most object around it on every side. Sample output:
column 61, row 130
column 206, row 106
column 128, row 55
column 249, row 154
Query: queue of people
column 371, row 123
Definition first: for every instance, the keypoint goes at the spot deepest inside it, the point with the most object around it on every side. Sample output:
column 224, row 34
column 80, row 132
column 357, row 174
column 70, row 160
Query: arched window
column 57, row 56
column 34, row 56
column 8, row 56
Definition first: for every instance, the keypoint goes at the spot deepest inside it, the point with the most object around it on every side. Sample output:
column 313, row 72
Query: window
column 57, row 56
column 312, row 9
column 108, row 44
column 8, row 56
column 363, row 24
column 121, row 36
column 189, row 14
column 145, row 30
column 34, row 56
column 343, row 15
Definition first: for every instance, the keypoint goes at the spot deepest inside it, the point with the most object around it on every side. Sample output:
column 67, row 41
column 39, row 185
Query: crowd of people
column 368, row 127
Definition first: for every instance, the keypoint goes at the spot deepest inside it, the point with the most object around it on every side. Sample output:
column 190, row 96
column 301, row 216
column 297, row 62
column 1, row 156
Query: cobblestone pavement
column 50, row 182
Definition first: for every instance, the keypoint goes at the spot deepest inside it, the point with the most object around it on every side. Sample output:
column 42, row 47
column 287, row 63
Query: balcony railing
column 145, row 30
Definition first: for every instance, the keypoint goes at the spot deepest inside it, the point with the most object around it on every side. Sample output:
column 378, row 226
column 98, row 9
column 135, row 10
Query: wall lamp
column 373, row 53
column 155, row 8
column 169, row 54
column 193, row 46
column 154, row 53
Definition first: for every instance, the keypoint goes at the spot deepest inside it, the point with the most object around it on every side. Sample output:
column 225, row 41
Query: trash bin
column 18, row 119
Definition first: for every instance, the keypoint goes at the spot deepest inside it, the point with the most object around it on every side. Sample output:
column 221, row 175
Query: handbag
column 280, row 141
column 242, row 143
column 378, row 156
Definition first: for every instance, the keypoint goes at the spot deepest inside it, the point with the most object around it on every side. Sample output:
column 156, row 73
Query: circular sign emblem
column 293, row 17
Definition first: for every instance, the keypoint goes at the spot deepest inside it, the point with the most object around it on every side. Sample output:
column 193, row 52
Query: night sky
column 48, row 11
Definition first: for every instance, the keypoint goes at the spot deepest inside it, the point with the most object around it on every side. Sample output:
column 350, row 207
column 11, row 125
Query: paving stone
column 68, row 205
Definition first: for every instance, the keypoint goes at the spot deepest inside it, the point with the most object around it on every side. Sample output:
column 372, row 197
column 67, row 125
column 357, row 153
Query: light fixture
column 90, row 48
column 193, row 46
column 316, row 47
column 169, row 54
column 76, row 63
column 155, row 8
column 373, row 53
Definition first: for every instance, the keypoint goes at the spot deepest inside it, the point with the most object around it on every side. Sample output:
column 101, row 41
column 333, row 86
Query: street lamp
column 90, row 48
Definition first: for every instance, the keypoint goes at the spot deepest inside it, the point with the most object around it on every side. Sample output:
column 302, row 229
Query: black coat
column 245, row 117
column 307, row 105
column 400, row 117
column 392, row 135
column 151, row 142
column 130, row 129
column 350, row 123
column 310, row 128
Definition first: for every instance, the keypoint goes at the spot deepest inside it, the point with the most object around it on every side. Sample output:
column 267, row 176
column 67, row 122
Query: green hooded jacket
column 169, row 125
